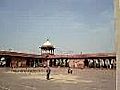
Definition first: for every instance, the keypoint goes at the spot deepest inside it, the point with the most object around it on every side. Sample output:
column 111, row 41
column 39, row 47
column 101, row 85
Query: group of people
column 48, row 71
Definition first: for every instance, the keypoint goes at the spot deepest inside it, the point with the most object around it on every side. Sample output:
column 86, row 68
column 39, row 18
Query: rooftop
column 17, row 54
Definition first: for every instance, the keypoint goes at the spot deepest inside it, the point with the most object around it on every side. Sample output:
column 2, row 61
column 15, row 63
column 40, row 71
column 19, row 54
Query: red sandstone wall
column 18, row 62
column 76, row 63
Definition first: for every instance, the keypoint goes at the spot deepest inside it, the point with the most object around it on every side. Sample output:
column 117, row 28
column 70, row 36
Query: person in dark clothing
column 69, row 70
column 48, row 73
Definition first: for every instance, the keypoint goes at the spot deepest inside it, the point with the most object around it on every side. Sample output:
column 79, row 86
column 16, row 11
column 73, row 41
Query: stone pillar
column 50, row 51
column 58, row 62
column 53, row 51
column 62, row 62
column 65, row 62
column 54, row 62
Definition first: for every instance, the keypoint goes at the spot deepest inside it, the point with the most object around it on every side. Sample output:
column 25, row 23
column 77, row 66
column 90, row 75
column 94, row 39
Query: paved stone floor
column 86, row 79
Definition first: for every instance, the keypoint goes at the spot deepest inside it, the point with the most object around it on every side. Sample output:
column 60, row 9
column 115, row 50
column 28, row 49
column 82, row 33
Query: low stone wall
column 27, row 69
column 78, row 63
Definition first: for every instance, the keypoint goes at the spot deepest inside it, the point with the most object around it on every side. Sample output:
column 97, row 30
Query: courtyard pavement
column 85, row 79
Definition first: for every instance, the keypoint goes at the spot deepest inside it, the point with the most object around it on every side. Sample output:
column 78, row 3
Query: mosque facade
column 48, row 58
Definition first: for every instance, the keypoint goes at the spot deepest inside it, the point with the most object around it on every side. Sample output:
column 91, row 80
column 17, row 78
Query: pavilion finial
column 47, row 39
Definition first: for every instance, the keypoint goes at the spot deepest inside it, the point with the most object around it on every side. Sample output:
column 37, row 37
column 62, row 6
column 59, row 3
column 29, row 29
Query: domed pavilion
column 47, row 48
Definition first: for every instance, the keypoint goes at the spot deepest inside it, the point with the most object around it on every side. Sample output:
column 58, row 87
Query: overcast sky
column 73, row 26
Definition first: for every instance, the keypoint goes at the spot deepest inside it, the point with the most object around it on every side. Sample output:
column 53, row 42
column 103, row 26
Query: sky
column 72, row 26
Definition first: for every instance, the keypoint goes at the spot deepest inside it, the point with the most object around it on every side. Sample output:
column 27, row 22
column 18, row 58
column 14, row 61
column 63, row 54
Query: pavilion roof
column 47, row 44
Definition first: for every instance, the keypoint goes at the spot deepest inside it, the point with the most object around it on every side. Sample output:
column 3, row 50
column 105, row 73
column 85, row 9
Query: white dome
column 47, row 43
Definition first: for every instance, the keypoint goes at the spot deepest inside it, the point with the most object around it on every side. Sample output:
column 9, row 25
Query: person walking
column 48, row 70
column 69, row 70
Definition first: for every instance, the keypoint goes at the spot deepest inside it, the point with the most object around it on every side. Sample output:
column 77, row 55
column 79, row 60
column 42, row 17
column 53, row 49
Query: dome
column 47, row 44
